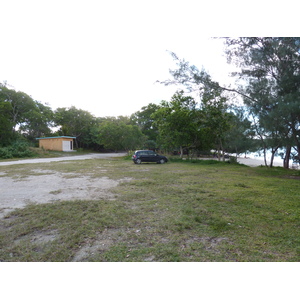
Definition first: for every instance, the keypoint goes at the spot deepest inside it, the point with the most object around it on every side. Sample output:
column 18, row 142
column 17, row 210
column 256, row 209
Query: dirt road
column 64, row 158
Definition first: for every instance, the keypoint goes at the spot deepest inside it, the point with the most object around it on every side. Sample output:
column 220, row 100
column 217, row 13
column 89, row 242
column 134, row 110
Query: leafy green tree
column 117, row 134
column 143, row 118
column 177, row 122
column 20, row 114
column 21, row 105
column 217, row 119
column 132, row 138
column 270, row 69
column 6, row 124
column 212, row 101
column 240, row 137
column 39, row 122
column 75, row 122
column 191, row 78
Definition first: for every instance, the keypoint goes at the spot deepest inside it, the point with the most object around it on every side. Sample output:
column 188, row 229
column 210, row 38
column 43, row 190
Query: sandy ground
column 48, row 186
column 255, row 162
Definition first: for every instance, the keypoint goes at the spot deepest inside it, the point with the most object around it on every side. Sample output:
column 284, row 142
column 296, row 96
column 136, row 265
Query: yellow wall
column 55, row 144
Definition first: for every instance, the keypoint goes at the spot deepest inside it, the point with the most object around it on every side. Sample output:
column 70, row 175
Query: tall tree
column 38, row 122
column 240, row 137
column 217, row 119
column 178, row 123
column 21, row 114
column 6, row 124
column 118, row 134
column 75, row 122
column 191, row 78
column 270, row 69
column 212, row 99
column 143, row 118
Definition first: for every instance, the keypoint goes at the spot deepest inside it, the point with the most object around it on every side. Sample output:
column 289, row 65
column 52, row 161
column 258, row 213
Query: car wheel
column 162, row 161
column 138, row 161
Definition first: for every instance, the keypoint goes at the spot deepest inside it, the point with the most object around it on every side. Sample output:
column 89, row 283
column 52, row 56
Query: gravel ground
column 48, row 186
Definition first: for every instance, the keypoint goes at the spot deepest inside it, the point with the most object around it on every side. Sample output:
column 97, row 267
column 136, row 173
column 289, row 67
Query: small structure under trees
column 57, row 143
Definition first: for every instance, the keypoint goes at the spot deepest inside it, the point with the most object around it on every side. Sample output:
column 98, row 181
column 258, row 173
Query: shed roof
column 57, row 137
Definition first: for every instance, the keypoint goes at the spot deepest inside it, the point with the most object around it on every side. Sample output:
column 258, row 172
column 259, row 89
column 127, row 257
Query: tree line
column 174, row 125
column 200, row 116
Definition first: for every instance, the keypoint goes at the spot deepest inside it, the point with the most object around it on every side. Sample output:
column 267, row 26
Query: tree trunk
column 181, row 151
column 219, row 154
column 295, row 135
column 265, row 156
column 222, row 149
column 76, row 143
column 286, row 161
column 273, row 155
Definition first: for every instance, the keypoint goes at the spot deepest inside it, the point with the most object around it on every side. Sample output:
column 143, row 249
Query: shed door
column 67, row 146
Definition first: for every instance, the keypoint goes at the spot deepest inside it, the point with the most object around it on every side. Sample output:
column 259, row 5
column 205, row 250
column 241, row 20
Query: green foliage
column 39, row 122
column 6, row 124
column 20, row 114
column 217, row 120
column 240, row 136
column 75, row 122
column 118, row 134
column 213, row 120
column 150, row 144
column 177, row 122
column 15, row 150
column 145, row 121
column 194, row 161
column 270, row 69
column 181, row 124
column 233, row 160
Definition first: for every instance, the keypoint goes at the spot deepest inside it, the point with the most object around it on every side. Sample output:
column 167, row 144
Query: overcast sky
column 105, row 56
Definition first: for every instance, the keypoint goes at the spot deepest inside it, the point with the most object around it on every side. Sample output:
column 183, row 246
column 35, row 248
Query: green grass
column 172, row 212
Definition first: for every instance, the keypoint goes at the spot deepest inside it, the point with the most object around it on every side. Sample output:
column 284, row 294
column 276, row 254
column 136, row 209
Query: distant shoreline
column 258, row 162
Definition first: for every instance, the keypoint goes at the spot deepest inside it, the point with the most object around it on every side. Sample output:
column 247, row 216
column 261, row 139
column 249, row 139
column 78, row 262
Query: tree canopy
column 20, row 114
column 270, row 73
column 118, row 134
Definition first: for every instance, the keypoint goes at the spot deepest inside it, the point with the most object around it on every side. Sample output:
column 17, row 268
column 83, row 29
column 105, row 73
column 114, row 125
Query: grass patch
column 179, row 211
column 195, row 160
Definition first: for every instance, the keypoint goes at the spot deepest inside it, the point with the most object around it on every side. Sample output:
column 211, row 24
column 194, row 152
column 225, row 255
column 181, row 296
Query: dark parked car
column 148, row 156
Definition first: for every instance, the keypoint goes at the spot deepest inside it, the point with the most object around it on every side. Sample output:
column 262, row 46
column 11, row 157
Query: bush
column 194, row 161
column 16, row 150
column 232, row 160
column 5, row 153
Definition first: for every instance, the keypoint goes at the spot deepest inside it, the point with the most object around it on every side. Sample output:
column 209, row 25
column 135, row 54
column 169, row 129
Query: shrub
column 16, row 150
column 5, row 153
column 233, row 160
